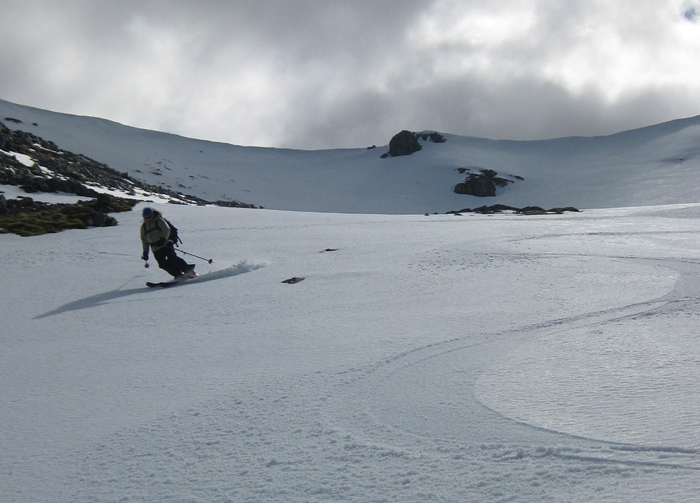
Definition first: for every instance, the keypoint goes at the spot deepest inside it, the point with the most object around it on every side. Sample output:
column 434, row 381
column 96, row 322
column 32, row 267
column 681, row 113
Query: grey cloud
column 310, row 74
column 525, row 109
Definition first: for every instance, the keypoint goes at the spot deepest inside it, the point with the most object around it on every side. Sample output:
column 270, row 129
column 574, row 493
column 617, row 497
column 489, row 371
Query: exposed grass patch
column 55, row 218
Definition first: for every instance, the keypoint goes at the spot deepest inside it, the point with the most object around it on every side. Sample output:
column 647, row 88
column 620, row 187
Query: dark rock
column 536, row 210
column 481, row 184
column 496, row 208
column 476, row 185
column 500, row 208
column 434, row 137
column 404, row 143
column 24, row 202
column 235, row 204
column 533, row 210
column 294, row 280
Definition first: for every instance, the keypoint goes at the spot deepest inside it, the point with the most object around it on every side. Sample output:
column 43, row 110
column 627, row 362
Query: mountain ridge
column 652, row 165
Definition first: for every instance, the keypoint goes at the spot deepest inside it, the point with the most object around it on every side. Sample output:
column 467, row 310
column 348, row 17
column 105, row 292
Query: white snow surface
column 422, row 358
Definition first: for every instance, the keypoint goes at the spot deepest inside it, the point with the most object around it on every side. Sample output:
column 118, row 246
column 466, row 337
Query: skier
column 155, row 232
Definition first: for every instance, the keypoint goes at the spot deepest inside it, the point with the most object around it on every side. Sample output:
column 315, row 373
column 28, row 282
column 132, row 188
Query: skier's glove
column 144, row 256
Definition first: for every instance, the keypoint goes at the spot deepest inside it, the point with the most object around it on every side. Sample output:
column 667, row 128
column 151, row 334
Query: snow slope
column 478, row 358
column 427, row 358
column 654, row 165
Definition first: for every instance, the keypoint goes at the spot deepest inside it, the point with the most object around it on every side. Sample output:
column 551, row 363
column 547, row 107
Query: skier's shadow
column 93, row 301
column 103, row 298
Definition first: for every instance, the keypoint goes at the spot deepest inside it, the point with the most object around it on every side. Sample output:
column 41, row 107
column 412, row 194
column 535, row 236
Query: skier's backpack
column 173, row 233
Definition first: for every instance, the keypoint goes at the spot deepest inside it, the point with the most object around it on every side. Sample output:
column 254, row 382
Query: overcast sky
column 328, row 73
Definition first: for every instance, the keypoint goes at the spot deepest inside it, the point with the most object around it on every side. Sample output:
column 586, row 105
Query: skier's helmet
column 147, row 212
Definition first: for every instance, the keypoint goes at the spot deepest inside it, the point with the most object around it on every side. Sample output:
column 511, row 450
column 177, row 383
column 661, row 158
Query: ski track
column 406, row 421
column 337, row 446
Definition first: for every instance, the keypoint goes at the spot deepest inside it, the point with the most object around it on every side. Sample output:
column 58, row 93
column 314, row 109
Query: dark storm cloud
column 311, row 74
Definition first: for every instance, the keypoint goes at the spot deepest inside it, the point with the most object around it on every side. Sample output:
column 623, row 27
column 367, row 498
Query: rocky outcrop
column 434, row 137
column 46, row 168
column 502, row 208
column 406, row 142
column 481, row 184
column 43, row 167
column 37, row 165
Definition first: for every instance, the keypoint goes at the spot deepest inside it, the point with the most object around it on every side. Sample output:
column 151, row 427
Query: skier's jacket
column 155, row 234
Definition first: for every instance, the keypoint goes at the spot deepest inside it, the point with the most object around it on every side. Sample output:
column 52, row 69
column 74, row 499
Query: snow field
column 476, row 358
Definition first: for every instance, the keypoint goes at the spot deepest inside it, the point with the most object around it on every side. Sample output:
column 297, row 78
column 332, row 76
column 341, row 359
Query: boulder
column 481, row 184
column 404, row 143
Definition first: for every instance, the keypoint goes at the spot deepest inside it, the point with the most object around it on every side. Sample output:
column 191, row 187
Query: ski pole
column 197, row 256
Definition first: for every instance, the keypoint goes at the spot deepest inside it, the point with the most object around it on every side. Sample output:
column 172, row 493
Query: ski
column 166, row 284
column 163, row 284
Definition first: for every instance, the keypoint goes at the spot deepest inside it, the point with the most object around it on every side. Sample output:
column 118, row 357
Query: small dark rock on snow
column 292, row 281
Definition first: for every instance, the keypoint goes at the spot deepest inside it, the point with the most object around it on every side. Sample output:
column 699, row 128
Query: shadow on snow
column 103, row 298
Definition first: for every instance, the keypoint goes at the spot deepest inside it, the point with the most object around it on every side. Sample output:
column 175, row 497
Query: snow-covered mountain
column 650, row 166
column 486, row 358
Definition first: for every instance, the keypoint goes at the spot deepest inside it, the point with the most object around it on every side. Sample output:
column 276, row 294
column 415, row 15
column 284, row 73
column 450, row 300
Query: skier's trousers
column 169, row 261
